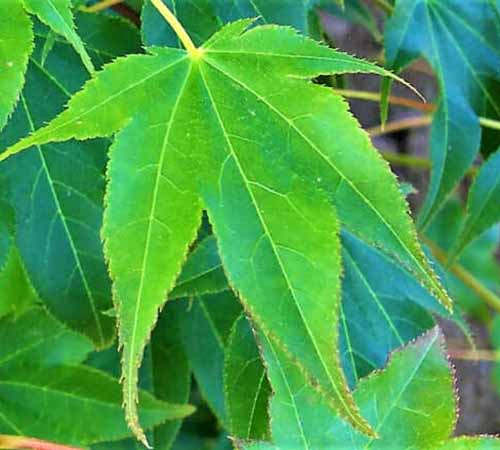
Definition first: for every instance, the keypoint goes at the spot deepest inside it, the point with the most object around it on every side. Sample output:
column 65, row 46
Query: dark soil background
column 479, row 401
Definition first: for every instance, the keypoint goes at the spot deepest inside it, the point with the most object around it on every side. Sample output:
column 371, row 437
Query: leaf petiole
column 178, row 28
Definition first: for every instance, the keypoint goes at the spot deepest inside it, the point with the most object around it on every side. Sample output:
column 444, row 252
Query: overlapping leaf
column 57, row 191
column 204, row 328
column 230, row 132
column 461, row 41
column 16, row 42
column 247, row 388
column 36, row 340
column 383, row 308
column 395, row 401
column 88, row 394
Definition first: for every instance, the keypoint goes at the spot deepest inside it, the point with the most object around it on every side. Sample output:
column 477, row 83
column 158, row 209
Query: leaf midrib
column 132, row 343
column 331, row 164
column 347, row 409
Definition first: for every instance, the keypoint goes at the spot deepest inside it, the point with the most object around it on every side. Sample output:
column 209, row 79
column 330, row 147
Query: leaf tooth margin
column 434, row 333
column 42, row 135
column 433, row 283
column 311, row 381
column 240, row 31
column 229, row 31
column 412, row 246
column 76, row 42
column 24, row 68
column 131, row 410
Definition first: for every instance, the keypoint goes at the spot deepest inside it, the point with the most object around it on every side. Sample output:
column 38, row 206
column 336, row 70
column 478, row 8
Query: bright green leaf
column 16, row 291
column 235, row 132
column 58, row 16
column 69, row 399
column 396, row 401
column 465, row 58
column 483, row 210
column 246, row 386
column 16, row 44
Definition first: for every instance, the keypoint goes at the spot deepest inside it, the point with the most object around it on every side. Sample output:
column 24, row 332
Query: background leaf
column 58, row 16
column 85, row 392
column 465, row 59
column 246, row 386
column 482, row 205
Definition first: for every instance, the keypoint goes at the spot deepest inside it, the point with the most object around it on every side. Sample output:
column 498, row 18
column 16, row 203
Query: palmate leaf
column 234, row 135
column 466, row 60
column 393, row 400
column 483, row 209
column 57, row 191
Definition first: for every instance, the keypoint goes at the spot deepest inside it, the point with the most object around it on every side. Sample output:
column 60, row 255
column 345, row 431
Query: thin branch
column 102, row 5
column 485, row 294
column 385, row 6
column 399, row 125
column 20, row 442
column 415, row 162
column 393, row 99
column 177, row 27
column 401, row 101
column 474, row 355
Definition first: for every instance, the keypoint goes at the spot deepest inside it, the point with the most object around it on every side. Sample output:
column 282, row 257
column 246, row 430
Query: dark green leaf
column 246, row 386
column 461, row 42
column 383, row 307
column 62, row 404
column 483, row 210
column 205, row 327
column 202, row 273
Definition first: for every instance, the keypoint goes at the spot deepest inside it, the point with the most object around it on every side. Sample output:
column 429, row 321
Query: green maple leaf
column 466, row 60
column 226, row 128
column 393, row 400
column 16, row 42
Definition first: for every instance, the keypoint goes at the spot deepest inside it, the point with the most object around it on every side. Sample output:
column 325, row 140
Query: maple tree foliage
column 198, row 194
